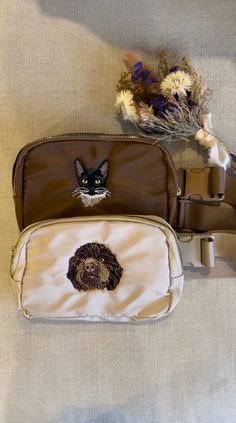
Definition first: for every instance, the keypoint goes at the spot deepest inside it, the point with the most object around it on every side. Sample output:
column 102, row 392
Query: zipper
column 54, row 138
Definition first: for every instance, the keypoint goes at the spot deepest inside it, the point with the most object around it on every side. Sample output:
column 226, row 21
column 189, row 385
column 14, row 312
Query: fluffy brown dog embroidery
column 94, row 266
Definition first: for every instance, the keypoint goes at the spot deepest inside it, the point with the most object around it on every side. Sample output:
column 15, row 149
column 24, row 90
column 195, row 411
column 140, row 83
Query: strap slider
column 197, row 250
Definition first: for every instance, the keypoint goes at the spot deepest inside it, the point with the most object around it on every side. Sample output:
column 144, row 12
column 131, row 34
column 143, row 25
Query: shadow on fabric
column 146, row 25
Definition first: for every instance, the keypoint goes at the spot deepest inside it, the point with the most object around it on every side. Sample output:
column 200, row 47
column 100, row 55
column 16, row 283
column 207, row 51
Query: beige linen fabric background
column 60, row 61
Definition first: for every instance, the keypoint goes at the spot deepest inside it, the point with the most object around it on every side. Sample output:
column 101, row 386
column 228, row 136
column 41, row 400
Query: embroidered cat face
column 92, row 183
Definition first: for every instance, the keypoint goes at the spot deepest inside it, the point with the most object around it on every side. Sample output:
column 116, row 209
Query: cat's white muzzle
column 91, row 200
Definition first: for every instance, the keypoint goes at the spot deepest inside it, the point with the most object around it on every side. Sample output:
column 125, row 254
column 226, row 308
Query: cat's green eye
column 97, row 181
column 84, row 181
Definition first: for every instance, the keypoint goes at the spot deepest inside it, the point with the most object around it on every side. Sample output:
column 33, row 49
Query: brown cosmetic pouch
column 93, row 174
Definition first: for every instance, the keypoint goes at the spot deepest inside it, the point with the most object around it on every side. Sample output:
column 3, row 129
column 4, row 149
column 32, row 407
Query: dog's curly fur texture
column 94, row 266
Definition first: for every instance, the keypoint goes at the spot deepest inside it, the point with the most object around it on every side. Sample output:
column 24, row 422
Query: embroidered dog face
column 92, row 183
column 94, row 266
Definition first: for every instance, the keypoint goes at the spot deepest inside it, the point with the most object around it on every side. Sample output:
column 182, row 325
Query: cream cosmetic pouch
column 117, row 268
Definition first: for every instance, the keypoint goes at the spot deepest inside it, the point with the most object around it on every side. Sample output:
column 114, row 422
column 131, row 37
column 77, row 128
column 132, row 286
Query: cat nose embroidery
column 92, row 183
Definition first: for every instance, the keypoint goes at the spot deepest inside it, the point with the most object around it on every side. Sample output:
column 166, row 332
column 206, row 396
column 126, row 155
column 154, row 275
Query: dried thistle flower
column 125, row 104
column 176, row 84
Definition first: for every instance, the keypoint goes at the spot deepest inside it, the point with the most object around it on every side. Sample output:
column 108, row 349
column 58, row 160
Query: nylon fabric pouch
column 93, row 174
column 117, row 268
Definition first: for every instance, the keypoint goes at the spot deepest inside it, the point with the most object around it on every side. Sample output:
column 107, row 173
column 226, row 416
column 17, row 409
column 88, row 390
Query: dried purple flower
column 139, row 72
column 161, row 106
column 145, row 74
column 138, row 65
column 135, row 76
column 174, row 69
column 147, row 78
column 150, row 80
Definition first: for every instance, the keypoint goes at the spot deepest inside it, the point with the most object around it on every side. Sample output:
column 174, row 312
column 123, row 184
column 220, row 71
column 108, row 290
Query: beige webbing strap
column 206, row 216
column 207, row 200
column 200, row 250
column 203, row 217
column 230, row 188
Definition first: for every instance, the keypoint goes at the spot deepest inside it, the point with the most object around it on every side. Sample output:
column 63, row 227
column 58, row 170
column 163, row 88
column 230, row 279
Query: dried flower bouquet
column 169, row 103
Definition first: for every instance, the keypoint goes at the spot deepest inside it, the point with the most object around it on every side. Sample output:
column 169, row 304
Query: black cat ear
column 79, row 167
column 104, row 168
